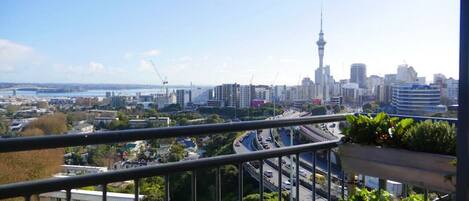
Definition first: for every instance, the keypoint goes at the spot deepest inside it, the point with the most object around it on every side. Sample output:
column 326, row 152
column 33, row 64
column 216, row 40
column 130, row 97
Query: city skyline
column 260, row 42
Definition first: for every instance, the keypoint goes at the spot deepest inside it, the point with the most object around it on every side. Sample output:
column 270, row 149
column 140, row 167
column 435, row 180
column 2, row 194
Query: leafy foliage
column 370, row 131
column 176, row 152
column 37, row 164
column 364, row 194
column 273, row 196
column 50, row 124
column 433, row 137
column 414, row 197
column 382, row 130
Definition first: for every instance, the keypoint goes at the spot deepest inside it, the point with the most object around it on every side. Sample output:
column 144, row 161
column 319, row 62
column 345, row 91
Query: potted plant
column 418, row 153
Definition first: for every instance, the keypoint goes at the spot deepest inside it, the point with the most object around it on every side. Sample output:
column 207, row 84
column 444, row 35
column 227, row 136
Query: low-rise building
column 82, row 129
column 85, row 195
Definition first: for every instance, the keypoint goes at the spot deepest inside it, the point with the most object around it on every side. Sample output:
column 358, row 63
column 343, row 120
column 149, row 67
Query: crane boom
column 163, row 80
column 158, row 73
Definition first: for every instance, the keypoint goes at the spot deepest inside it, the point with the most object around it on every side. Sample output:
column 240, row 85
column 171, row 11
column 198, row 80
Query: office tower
column 358, row 74
column 406, row 74
column 245, row 96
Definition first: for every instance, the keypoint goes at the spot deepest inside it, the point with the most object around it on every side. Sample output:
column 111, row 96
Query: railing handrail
column 56, row 184
column 70, row 140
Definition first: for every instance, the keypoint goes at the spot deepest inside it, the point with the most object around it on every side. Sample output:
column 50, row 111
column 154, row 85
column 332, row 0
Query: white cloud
column 94, row 67
column 13, row 55
column 128, row 56
column 145, row 66
column 151, row 53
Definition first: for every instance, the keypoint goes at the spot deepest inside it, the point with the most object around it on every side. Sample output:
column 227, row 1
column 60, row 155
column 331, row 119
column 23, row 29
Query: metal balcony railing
column 28, row 188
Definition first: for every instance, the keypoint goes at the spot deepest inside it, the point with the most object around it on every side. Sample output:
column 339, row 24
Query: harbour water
column 91, row 93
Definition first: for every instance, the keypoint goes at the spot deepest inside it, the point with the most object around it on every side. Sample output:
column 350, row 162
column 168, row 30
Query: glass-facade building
column 416, row 99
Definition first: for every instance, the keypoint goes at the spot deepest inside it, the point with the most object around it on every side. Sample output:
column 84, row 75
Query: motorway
column 305, row 193
column 247, row 146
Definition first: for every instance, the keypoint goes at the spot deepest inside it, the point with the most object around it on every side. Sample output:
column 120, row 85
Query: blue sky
column 213, row 42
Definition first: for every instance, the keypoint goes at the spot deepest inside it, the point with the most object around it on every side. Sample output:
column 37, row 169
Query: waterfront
column 92, row 93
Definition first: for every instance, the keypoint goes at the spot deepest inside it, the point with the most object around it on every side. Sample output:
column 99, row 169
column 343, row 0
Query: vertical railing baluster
column 136, row 189
column 240, row 182
column 279, row 178
column 218, row 185
column 194, row 185
column 342, row 182
column 313, row 189
column 329, row 174
column 27, row 198
column 297, row 176
column 104, row 192
column 68, row 194
column 261, row 180
column 425, row 194
column 166, row 188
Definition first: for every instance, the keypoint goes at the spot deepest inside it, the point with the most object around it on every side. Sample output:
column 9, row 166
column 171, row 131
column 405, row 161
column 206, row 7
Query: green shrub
column 414, row 197
column 370, row 131
column 433, row 137
column 364, row 194
column 428, row 136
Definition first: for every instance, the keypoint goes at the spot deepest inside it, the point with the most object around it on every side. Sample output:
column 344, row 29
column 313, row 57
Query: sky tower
column 322, row 72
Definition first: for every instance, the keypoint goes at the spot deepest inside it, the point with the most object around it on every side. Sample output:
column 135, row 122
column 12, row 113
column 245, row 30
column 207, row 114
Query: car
column 294, row 181
column 268, row 173
column 320, row 179
column 303, row 173
column 286, row 185
column 269, row 139
column 237, row 144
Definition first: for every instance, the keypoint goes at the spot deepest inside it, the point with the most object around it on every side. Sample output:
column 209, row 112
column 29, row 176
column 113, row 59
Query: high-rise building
column 352, row 94
column 373, row 82
column 358, row 74
column 416, row 99
column 245, row 96
column 406, row 74
column 384, row 93
column 228, row 94
column 262, row 92
column 183, row 97
column 390, row 79
column 452, row 88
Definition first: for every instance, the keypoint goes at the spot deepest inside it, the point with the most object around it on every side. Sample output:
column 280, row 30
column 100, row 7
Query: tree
column 76, row 116
column 336, row 108
column 153, row 189
column 30, row 165
column 214, row 119
column 273, row 196
column 102, row 155
column 50, row 124
column 3, row 126
column 318, row 110
column 177, row 152
column 11, row 109
column 42, row 104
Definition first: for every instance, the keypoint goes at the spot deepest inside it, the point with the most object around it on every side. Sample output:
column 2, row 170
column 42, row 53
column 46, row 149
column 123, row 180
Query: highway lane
column 247, row 146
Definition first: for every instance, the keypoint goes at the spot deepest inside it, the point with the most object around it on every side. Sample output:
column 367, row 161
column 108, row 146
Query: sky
column 221, row 41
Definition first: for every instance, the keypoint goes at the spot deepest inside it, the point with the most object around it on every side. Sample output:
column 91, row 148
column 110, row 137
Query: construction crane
column 163, row 80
